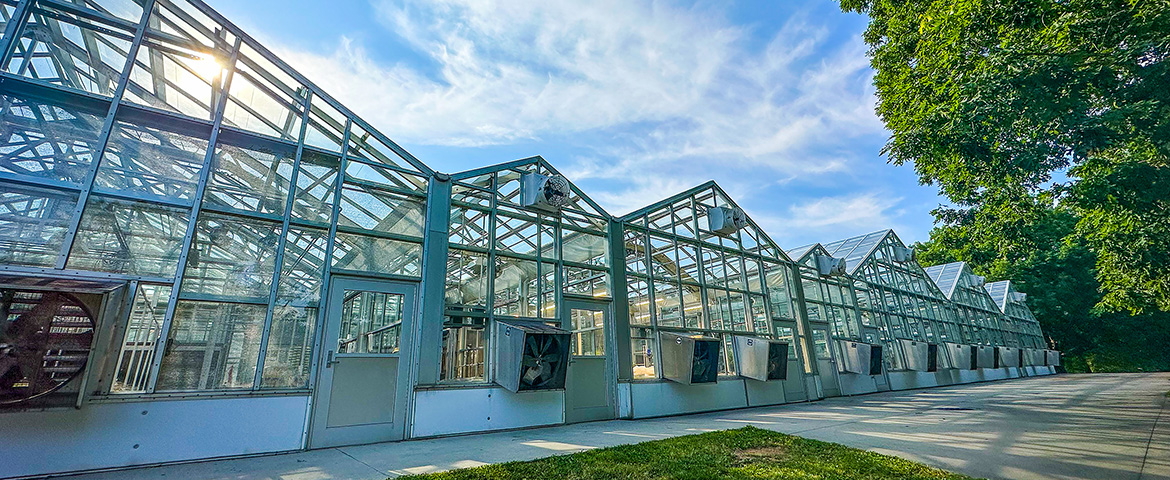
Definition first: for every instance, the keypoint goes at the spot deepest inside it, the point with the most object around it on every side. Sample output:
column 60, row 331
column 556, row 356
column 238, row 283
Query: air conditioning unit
column 861, row 358
column 530, row 356
column 1008, row 357
column 689, row 359
column 921, row 356
column 830, row 267
column 984, row 356
column 904, row 254
column 1052, row 358
column 962, row 356
column 726, row 220
column 761, row 358
column 978, row 280
column 545, row 192
column 1019, row 297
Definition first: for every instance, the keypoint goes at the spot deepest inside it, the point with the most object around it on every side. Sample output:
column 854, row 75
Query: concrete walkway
column 1062, row 427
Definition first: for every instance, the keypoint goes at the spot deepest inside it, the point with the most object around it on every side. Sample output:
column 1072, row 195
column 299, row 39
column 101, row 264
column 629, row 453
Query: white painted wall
column 106, row 435
column 465, row 410
column 657, row 399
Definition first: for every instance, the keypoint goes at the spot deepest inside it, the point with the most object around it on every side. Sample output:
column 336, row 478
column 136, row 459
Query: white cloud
column 833, row 218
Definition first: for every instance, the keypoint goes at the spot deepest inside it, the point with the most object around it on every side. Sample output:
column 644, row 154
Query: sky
column 632, row 100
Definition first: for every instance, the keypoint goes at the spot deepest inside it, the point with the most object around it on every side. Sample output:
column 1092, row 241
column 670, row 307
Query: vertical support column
column 15, row 24
column 429, row 342
column 621, row 302
column 803, row 327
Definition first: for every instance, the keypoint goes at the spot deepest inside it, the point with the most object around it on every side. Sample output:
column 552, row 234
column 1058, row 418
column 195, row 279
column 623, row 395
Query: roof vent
column 726, row 220
column 546, row 192
column 977, row 280
column 1019, row 297
column 830, row 267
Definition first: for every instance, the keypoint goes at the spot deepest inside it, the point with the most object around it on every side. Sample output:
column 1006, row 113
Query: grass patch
column 744, row 453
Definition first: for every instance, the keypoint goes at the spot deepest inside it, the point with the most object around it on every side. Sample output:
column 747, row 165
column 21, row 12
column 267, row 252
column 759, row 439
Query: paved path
column 1062, row 427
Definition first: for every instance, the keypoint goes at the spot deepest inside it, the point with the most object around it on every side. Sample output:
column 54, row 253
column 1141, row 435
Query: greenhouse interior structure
column 202, row 255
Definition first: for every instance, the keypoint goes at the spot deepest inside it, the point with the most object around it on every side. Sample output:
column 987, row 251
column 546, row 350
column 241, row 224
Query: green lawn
column 743, row 453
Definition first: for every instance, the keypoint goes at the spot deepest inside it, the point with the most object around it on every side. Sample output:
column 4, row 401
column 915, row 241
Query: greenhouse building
column 203, row 254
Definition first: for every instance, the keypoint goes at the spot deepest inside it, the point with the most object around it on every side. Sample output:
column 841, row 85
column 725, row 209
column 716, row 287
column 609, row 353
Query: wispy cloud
column 833, row 218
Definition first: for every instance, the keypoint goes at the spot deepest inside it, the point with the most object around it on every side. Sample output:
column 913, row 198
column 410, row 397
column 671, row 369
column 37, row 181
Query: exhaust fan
column 531, row 356
column 45, row 339
column 904, row 254
column 689, row 359
column 1007, row 357
column 861, row 358
column 726, row 220
column 978, row 280
column 1052, row 357
column 1019, row 297
column 985, row 356
column 761, row 358
column 962, row 356
column 546, row 192
column 830, row 267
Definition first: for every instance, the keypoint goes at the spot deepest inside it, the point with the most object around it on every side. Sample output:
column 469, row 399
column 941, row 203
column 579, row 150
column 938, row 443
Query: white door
column 591, row 386
column 362, row 379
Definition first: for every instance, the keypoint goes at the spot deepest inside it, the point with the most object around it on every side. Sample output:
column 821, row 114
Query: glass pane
column 142, row 331
column 33, row 223
column 326, row 126
column 290, row 338
column 642, row 349
column 232, row 258
column 251, row 176
column 639, row 301
column 464, row 339
column 212, row 346
column 666, row 304
column 124, row 9
column 371, row 322
column 515, row 287
column 585, row 248
column 516, row 235
column 377, row 255
column 364, row 145
column 588, row 328
column 469, row 227
column 316, row 180
column 262, row 99
column 587, row 282
column 132, row 238
column 467, row 278
column 177, row 79
column 147, row 160
column 380, row 210
column 47, row 140
column 59, row 48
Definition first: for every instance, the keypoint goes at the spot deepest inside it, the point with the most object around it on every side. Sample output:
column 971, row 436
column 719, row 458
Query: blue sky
column 632, row 100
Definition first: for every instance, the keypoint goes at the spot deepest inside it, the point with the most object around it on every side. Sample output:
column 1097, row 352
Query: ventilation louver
column 761, row 358
column 545, row 192
column 45, row 344
column 726, row 220
column 689, row 359
column 531, row 356
column 904, row 254
column 830, row 267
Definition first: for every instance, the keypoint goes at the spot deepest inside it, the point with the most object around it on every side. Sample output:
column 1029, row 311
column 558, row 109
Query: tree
column 1013, row 107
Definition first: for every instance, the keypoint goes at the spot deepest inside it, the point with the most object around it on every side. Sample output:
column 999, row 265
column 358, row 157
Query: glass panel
column 642, row 349
column 469, row 227
column 316, row 179
column 326, row 126
column 370, row 208
column 124, row 9
column 59, row 48
column 548, row 290
column 290, row 339
column 212, row 346
column 371, row 322
column 467, row 278
column 584, row 281
column 639, row 301
column 232, row 258
column 176, row 78
column 133, row 238
column 376, row 255
column 364, row 145
column 142, row 332
column 262, row 99
column 666, row 304
column 464, row 339
column 588, row 328
column 47, row 140
column 515, row 287
column 692, row 298
column 33, row 223
column 516, row 235
column 251, row 176
column 580, row 247
column 147, row 160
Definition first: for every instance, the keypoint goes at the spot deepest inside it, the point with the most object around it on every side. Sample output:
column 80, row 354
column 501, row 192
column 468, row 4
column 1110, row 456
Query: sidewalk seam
column 1153, row 430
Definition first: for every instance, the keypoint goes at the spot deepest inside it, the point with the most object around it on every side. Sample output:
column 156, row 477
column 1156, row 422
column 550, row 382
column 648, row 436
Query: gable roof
column 543, row 166
column 856, row 250
column 947, row 276
column 999, row 293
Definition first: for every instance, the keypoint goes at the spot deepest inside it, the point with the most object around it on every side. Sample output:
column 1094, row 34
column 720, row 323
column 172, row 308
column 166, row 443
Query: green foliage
column 744, row 453
column 988, row 100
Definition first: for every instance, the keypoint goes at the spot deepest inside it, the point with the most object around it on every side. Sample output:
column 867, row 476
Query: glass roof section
column 947, row 276
column 856, row 249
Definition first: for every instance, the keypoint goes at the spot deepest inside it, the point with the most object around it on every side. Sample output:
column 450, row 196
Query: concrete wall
column 657, row 399
column 105, row 435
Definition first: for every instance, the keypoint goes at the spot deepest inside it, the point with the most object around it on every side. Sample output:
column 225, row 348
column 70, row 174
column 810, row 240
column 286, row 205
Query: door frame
column 570, row 303
column 316, row 434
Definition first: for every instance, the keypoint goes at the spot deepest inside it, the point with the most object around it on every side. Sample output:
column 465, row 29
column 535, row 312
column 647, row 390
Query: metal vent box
column 761, row 359
column 1053, row 357
column 689, row 359
column 861, row 358
column 1009, row 357
column 984, row 356
column 960, row 356
column 530, row 356
column 920, row 356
